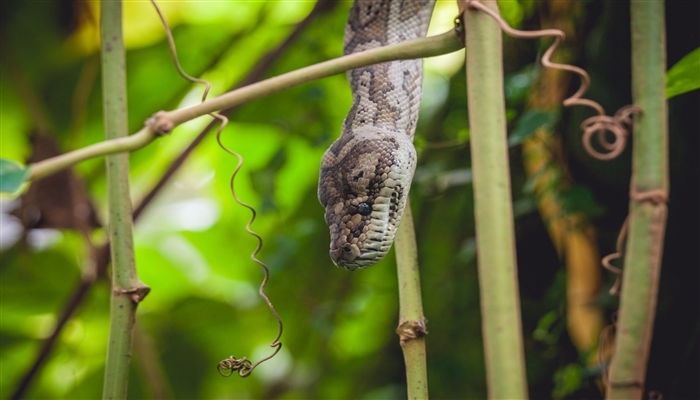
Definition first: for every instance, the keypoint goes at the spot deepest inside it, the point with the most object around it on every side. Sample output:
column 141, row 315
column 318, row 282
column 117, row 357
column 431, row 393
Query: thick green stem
column 166, row 121
column 411, row 329
column 647, row 220
column 498, row 283
column 127, row 290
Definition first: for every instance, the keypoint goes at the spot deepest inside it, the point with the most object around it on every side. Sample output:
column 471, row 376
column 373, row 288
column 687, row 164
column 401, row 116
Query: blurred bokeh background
column 339, row 340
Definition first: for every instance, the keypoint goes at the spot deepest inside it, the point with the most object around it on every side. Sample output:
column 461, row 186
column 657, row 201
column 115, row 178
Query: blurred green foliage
column 684, row 76
column 12, row 176
column 192, row 249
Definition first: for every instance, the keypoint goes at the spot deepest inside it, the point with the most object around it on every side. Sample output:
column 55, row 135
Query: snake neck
column 386, row 95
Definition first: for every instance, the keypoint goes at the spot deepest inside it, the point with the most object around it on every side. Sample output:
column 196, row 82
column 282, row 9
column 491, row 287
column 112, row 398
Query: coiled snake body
column 366, row 174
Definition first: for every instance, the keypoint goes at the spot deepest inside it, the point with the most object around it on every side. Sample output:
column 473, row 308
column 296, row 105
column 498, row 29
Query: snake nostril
column 347, row 249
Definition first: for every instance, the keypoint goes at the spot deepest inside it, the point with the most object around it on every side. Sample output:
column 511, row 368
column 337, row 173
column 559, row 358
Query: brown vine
column 228, row 366
column 597, row 125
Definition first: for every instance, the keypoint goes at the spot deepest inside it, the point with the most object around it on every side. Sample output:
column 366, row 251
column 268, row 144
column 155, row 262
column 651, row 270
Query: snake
column 366, row 174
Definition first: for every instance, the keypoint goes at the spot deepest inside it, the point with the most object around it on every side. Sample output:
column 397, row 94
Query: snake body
column 366, row 174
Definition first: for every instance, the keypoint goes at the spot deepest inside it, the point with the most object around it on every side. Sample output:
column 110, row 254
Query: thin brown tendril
column 232, row 363
column 243, row 366
column 657, row 196
column 615, row 289
column 599, row 124
column 604, row 333
column 618, row 125
column 173, row 53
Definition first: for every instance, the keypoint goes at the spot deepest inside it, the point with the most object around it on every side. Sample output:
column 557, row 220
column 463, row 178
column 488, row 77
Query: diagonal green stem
column 418, row 48
column 649, row 188
column 127, row 290
column 119, row 145
column 498, row 283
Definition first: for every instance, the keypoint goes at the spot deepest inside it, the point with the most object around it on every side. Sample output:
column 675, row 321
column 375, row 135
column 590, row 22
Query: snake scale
column 366, row 174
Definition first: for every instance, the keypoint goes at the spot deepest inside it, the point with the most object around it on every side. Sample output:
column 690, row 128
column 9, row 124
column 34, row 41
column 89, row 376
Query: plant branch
column 127, row 289
column 411, row 327
column 648, row 211
column 124, row 144
column 498, row 282
column 164, row 122
column 417, row 48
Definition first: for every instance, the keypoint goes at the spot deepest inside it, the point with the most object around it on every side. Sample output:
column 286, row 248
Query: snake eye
column 364, row 209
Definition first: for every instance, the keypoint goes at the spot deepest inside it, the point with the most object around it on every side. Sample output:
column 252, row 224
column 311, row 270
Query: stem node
column 137, row 294
column 409, row 330
column 160, row 123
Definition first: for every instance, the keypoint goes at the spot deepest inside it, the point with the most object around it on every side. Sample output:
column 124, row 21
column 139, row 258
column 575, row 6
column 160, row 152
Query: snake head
column 363, row 186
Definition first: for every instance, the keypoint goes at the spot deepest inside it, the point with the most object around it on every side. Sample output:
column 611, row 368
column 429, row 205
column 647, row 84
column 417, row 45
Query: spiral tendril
column 231, row 365
column 597, row 125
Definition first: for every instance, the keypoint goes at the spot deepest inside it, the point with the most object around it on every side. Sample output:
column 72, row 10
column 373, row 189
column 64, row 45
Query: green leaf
column 12, row 176
column 518, row 85
column 512, row 12
column 579, row 198
column 684, row 76
column 528, row 123
column 567, row 380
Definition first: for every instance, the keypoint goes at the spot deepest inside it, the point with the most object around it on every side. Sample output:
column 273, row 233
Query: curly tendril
column 597, row 125
column 229, row 366
column 232, row 363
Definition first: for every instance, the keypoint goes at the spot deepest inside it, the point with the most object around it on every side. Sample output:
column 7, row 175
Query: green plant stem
column 124, row 144
column 411, row 328
column 647, row 220
column 418, row 48
column 127, row 289
column 498, row 283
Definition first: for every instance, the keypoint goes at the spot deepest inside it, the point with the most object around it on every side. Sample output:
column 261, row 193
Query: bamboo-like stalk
column 648, row 192
column 417, row 48
column 127, row 289
column 411, row 329
column 500, row 300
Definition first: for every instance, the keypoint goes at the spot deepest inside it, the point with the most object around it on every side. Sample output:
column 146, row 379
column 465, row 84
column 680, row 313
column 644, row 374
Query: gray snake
column 366, row 174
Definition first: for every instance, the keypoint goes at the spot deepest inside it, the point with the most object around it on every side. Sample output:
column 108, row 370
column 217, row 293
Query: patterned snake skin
column 366, row 174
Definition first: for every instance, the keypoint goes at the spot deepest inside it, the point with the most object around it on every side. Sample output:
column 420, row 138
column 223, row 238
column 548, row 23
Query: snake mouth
column 350, row 257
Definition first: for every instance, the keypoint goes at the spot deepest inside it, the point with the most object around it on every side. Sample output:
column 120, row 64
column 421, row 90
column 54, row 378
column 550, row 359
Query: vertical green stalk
column 498, row 283
column 649, row 188
column 411, row 327
column 127, row 289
